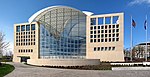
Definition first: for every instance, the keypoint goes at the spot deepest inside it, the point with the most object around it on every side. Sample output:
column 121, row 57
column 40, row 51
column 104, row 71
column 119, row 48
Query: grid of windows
column 107, row 31
column 25, row 50
column 25, row 36
column 104, row 48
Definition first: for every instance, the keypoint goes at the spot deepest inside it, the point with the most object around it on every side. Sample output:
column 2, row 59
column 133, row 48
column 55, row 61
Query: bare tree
column 3, row 44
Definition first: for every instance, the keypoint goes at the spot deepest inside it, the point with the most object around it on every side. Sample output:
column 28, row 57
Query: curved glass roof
column 57, row 19
column 38, row 14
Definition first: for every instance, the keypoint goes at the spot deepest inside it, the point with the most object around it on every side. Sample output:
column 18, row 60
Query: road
column 22, row 70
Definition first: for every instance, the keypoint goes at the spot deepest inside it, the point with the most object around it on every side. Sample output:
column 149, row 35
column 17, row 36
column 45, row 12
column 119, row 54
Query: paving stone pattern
column 22, row 70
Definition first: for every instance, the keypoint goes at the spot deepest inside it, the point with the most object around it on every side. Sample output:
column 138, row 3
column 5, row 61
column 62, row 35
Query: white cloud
column 134, row 2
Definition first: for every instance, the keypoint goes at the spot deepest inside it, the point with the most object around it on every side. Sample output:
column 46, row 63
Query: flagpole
column 131, row 40
column 146, row 40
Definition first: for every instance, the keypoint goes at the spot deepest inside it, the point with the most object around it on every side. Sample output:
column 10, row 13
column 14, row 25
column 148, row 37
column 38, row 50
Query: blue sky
column 18, row 11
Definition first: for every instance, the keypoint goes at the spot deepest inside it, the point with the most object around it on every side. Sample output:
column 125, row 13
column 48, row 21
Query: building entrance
column 24, row 59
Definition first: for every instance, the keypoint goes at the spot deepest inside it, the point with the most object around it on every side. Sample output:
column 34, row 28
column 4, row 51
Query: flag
column 133, row 23
column 145, row 24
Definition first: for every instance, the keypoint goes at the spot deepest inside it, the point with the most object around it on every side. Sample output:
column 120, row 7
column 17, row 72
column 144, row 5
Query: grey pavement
column 22, row 70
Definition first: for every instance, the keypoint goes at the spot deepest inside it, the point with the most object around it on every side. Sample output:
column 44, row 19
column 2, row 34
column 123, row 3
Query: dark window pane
column 117, row 39
column 98, row 49
column 94, row 27
column 18, row 29
column 94, row 40
column 98, row 40
column 23, row 28
column 94, row 36
column 102, row 48
column 93, row 21
column 109, row 48
column 32, row 26
column 105, row 48
column 94, row 48
column 27, row 27
column 117, row 26
column 113, row 48
column 98, row 27
column 117, row 30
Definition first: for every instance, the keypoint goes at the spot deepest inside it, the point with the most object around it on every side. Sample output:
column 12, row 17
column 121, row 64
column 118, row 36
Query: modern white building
column 65, row 36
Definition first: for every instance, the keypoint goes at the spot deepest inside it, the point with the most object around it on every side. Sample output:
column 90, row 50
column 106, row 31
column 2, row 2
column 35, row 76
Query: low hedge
column 87, row 67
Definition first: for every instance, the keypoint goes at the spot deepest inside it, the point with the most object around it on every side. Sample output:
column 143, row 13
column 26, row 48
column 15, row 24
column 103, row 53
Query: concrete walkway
column 22, row 70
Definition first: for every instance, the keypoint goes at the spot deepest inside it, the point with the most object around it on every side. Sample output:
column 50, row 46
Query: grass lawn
column 5, row 69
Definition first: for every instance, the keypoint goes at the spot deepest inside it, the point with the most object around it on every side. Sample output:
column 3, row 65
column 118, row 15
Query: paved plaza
column 22, row 70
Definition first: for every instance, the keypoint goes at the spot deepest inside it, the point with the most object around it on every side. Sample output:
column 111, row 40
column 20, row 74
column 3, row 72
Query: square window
column 113, row 39
column 94, row 48
column 98, row 49
column 113, row 48
column 105, row 31
column 113, row 30
column 109, row 26
column 105, row 26
column 117, row 26
column 109, row 31
column 113, row 26
column 102, row 40
column 94, row 27
column 91, row 32
column 98, row 40
column 102, row 48
column 22, row 27
column 113, row 35
column 108, row 20
column 109, row 35
column 117, row 30
column 117, row 35
column 98, row 31
column 109, row 39
column 109, row 49
column 105, row 48
column 100, row 20
column 117, row 39
column 94, row 40
column 17, row 28
column 93, row 21
column 98, row 27
column 102, row 27
column 102, row 31
column 105, row 35
column 94, row 32
column 27, row 27
column 98, row 36
column 102, row 35
column 32, row 26
column 94, row 36
column 105, row 40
